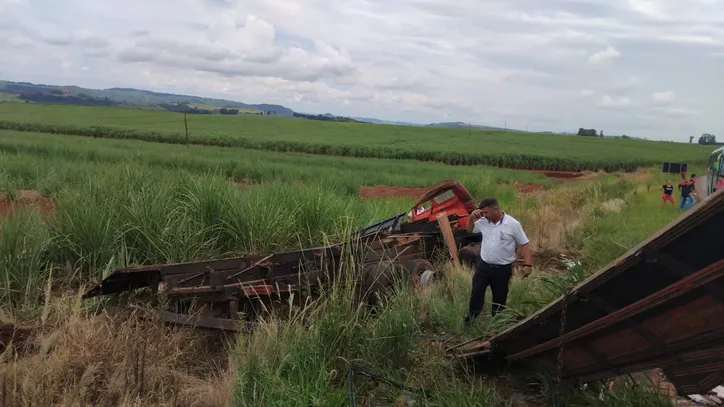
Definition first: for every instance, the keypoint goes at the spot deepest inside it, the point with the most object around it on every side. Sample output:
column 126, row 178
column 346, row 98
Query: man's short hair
column 488, row 202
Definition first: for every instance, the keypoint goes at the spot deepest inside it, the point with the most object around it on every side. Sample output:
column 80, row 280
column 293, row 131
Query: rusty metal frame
column 211, row 293
column 661, row 304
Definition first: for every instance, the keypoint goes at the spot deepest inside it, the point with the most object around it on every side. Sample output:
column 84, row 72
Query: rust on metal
column 200, row 321
column 261, row 263
column 250, row 284
column 659, row 305
column 255, row 290
column 696, row 280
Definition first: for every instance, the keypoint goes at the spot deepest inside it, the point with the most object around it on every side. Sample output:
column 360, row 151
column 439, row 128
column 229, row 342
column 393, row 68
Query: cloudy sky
column 649, row 68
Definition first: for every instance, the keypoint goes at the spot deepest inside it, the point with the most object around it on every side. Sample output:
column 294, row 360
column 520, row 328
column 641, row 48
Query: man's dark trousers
column 495, row 276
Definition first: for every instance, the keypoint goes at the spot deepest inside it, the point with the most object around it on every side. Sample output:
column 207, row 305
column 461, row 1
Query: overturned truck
column 212, row 293
column 660, row 305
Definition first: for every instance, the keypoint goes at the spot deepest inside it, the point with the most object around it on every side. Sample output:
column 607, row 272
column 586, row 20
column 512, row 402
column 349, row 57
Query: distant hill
column 378, row 121
column 327, row 117
column 74, row 95
column 25, row 91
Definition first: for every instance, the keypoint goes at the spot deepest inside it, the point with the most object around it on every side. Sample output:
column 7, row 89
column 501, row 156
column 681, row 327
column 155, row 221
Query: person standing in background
column 667, row 195
column 692, row 182
column 685, row 190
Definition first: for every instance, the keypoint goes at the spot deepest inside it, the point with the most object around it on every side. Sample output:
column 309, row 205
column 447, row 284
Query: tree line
column 589, row 132
column 707, row 139
column 326, row 118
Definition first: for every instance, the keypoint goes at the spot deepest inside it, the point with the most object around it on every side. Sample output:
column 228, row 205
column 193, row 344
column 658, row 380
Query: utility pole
column 186, row 126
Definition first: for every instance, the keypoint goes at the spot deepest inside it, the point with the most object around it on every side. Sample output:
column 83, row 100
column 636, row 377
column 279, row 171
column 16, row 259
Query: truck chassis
column 212, row 294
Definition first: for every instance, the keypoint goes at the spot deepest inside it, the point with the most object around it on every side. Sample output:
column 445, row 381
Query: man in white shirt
column 501, row 234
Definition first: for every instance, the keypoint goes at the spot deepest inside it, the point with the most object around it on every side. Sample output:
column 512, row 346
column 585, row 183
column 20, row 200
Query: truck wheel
column 378, row 280
column 421, row 271
column 469, row 255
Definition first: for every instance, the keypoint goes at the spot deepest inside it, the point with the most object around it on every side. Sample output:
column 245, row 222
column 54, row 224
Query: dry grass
column 549, row 216
column 554, row 213
column 642, row 175
column 71, row 357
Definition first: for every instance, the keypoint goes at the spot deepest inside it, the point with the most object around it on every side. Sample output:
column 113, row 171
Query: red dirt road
column 385, row 191
column 25, row 198
column 390, row 191
column 560, row 174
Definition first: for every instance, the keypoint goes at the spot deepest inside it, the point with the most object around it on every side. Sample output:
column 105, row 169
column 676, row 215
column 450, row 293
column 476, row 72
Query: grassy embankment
column 454, row 146
column 114, row 213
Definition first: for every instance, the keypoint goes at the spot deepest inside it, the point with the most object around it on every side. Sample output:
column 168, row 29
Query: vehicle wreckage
column 212, row 293
column 660, row 305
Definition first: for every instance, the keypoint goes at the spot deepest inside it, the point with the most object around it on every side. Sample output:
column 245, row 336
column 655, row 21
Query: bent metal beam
column 658, row 305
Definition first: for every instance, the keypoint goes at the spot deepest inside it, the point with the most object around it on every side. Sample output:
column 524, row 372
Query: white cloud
column 614, row 102
column 558, row 64
column 608, row 54
column 663, row 98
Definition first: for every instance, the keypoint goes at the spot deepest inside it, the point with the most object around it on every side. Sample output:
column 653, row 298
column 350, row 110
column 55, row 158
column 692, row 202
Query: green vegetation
column 120, row 201
column 118, row 214
column 50, row 162
column 8, row 97
column 135, row 216
column 452, row 146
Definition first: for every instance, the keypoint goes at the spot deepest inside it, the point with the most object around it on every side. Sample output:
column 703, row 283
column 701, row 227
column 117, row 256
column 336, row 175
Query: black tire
column 378, row 280
column 416, row 268
column 469, row 255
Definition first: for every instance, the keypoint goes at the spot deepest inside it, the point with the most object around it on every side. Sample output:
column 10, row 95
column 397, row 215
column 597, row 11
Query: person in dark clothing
column 501, row 235
column 667, row 195
column 685, row 188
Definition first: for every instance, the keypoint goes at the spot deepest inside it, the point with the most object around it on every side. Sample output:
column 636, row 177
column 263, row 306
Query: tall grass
column 288, row 362
column 71, row 356
column 138, row 216
column 24, row 244
column 129, row 215
column 51, row 161
column 305, row 359
column 451, row 146
column 608, row 233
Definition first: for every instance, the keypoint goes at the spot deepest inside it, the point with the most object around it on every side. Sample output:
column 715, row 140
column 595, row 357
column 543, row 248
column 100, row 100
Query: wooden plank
column 447, row 234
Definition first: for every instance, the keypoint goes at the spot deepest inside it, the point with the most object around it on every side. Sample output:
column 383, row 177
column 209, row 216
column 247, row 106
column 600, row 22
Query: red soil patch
column 243, row 183
column 25, row 198
column 560, row 174
column 386, row 191
column 381, row 191
column 528, row 187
